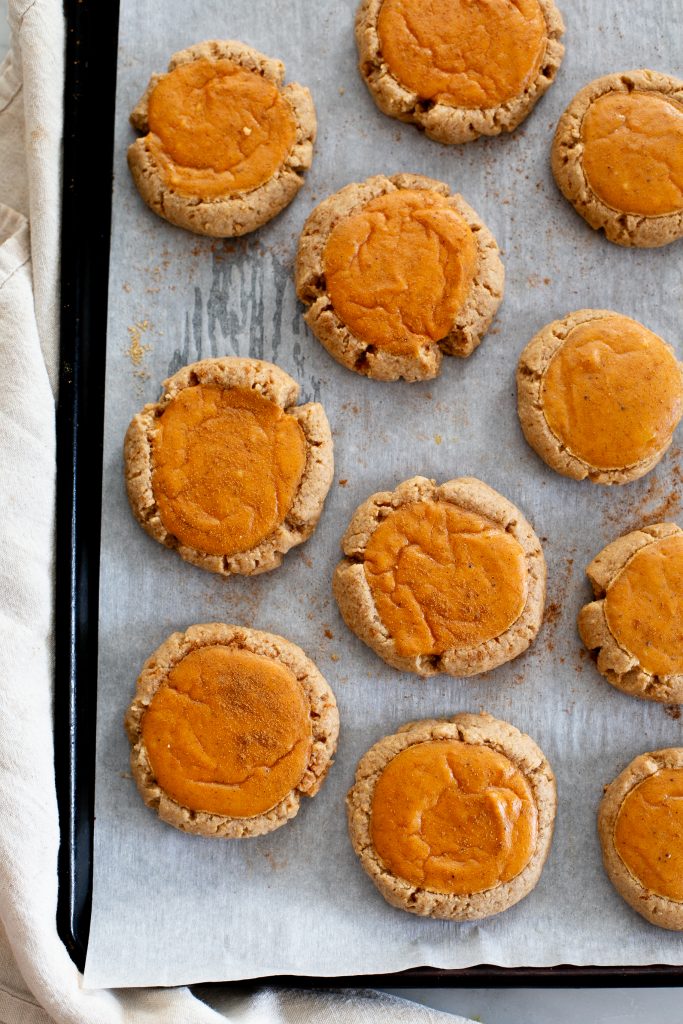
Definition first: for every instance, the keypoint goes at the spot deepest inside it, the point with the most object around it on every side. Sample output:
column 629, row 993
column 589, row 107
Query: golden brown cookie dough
column 617, row 157
column 635, row 623
column 397, row 272
column 459, row 68
column 225, row 144
column 229, row 728
column 226, row 469
column 453, row 818
column 599, row 396
column 640, row 824
column 441, row 579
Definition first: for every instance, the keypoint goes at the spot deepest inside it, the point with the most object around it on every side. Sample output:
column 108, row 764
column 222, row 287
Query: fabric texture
column 38, row 981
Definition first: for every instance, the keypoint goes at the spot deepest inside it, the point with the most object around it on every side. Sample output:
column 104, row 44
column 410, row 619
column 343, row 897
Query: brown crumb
column 343, row 483
column 334, row 657
column 136, row 350
column 673, row 711
column 329, row 634
column 552, row 612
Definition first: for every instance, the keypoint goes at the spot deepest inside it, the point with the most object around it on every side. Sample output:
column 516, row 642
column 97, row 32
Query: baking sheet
column 170, row 908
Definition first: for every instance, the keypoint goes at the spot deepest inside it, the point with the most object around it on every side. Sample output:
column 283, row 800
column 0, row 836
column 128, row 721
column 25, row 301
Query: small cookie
column 640, row 824
column 459, row 68
column 397, row 272
column 453, row 818
column 635, row 624
column 225, row 143
column 617, row 156
column 599, row 396
column 226, row 469
column 441, row 579
column 229, row 728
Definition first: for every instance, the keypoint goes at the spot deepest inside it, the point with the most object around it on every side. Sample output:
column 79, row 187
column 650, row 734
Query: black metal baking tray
column 91, row 60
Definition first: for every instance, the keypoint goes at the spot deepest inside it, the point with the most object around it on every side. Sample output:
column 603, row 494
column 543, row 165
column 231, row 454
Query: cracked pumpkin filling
column 228, row 732
column 216, row 128
column 443, row 578
column 644, row 606
column 475, row 54
column 612, row 393
column 453, row 817
column 633, row 152
column 227, row 465
column 400, row 269
column 648, row 833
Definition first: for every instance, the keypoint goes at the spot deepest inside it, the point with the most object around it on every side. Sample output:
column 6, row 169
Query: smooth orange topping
column 228, row 732
column 613, row 393
column 443, row 578
column 648, row 833
column 400, row 269
column 453, row 817
column 217, row 128
column 633, row 152
column 227, row 467
column 644, row 606
column 463, row 53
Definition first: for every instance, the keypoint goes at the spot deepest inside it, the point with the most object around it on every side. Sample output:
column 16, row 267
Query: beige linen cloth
column 38, row 982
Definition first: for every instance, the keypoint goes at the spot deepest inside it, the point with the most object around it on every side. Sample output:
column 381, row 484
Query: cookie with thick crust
column 525, row 775
column 468, row 97
column 655, row 859
column 634, row 625
column 421, row 312
column 259, row 131
column 447, row 578
column 251, row 748
column 599, row 396
column 616, row 157
column 226, row 478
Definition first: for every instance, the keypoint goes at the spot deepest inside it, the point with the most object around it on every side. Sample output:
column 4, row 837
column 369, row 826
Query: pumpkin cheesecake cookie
column 225, row 144
column 459, row 68
column 635, row 623
column 640, row 824
column 226, row 469
column 453, row 818
column 447, row 578
column 617, row 157
column 229, row 728
column 397, row 272
column 599, row 396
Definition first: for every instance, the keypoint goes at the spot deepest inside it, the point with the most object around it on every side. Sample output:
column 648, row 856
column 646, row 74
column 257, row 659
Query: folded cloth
column 38, row 981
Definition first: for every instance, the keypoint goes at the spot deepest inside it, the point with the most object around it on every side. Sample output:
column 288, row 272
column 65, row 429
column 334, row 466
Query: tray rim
column 89, row 112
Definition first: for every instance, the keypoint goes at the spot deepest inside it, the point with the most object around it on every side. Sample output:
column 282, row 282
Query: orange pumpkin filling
column 453, row 817
column 644, row 606
column 227, row 467
column 613, row 393
column 463, row 53
column 633, row 152
column 444, row 578
column 216, row 128
column 228, row 732
column 648, row 833
column 400, row 269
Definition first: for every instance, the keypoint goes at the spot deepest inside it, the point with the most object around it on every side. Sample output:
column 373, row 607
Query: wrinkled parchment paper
column 170, row 908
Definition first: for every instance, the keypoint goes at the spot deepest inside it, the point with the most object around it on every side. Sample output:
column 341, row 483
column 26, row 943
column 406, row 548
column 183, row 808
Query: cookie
column 225, row 144
column 617, row 156
column 397, row 272
column 453, row 818
column 599, row 396
column 635, row 624
column 226, row 468
column 459, row 69
column 229, row 728
column 640, row 824
column 447, row 578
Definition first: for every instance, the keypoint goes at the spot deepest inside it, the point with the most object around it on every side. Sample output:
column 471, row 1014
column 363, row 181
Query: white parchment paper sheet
column 171, row 908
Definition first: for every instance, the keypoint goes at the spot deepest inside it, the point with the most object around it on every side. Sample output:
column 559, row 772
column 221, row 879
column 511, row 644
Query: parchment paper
column 170, row 908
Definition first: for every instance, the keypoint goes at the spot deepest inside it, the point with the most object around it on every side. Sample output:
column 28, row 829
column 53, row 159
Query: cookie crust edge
column 324, row 721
